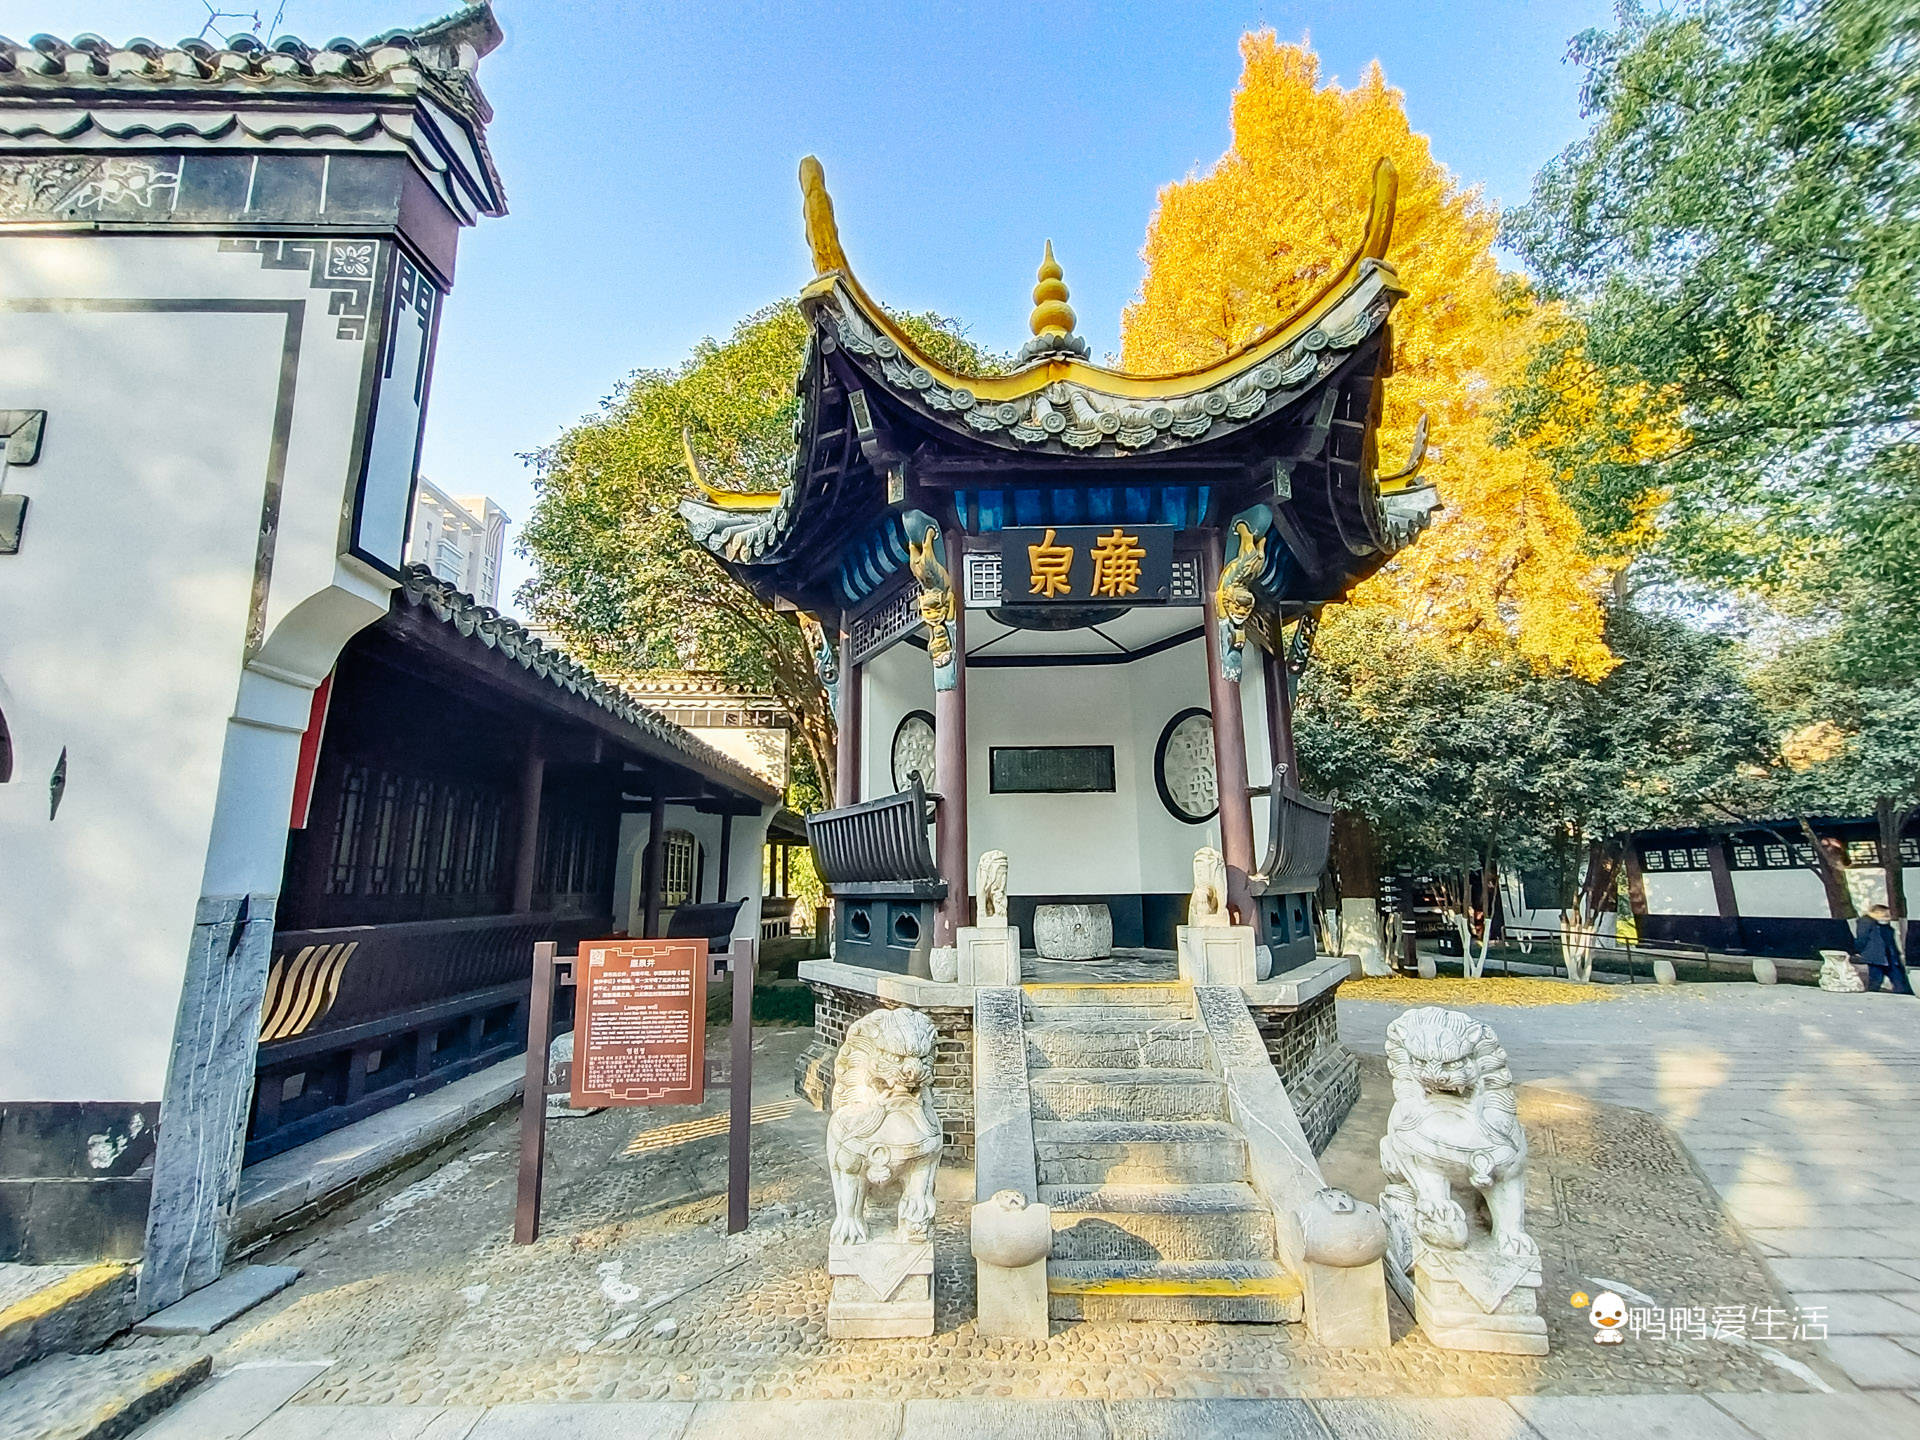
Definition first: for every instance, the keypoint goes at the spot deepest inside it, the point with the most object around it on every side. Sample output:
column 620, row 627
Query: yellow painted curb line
column 1276, row 1285
column 77, row 1286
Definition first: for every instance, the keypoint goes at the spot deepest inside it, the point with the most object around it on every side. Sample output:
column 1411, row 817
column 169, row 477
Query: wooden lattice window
column 679, row 865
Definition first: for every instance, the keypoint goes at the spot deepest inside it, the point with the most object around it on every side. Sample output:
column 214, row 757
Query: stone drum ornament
column 1073, row 932
column 883, row 1132
column 1456, row 1210
column 1837, row 972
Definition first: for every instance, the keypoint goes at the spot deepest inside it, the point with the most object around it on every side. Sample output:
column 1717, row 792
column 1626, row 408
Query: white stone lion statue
column 1455, row 1123
column 1208, row 904
column 882, row 1127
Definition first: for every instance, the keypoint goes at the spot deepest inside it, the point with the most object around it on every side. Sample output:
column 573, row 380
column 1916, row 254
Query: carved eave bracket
column 927, row 554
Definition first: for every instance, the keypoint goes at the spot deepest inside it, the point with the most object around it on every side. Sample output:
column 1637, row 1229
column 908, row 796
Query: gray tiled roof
column 439, row 59
column 423, row 589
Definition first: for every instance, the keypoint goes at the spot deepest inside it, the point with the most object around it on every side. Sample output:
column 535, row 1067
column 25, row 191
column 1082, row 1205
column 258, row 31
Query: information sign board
column 640, row 1023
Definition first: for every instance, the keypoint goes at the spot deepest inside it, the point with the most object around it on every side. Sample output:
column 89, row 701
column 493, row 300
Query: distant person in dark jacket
column 1873, row 941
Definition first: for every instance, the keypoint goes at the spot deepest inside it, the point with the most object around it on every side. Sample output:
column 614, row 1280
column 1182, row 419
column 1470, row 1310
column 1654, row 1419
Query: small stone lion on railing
column 1455, row 1122
column 883, row 1127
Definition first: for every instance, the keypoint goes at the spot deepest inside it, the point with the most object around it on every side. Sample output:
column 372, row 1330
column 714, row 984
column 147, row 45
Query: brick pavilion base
column 1295, row 1015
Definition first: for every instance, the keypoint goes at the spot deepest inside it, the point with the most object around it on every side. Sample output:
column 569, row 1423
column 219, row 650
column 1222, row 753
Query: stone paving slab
column 1641, row 1417
column 1875, row 1362
column 370, row 1422
column 1474, row 1418
column 232, row 1405
column 211, row 1306
column 1842, row 1274
column 794, row 1420
column 1671, row 1416
column 1863, row 1313
column 1185, row 1419
column 1824, row 1417
column 645, row 1420
column 1005, row 1420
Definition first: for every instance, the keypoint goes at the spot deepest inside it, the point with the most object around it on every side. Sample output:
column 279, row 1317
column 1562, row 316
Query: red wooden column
column 950, row 781
column 846, row 766
column 1229, row 746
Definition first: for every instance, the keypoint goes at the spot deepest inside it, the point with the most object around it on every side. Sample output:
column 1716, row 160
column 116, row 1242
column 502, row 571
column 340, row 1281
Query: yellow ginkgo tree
column 1234, row 250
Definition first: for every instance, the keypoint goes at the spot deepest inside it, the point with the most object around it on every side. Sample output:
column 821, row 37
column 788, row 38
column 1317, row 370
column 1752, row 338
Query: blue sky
column 649, row 151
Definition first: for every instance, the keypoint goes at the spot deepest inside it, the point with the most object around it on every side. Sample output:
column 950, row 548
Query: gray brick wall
column 1322, row 1079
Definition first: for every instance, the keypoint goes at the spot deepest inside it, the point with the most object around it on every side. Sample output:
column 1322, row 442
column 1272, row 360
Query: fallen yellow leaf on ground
column 1450, row 990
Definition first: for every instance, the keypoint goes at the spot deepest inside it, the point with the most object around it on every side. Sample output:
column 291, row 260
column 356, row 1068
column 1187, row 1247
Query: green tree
column 1737, row 244
column 1463, row 766
column 615, row 570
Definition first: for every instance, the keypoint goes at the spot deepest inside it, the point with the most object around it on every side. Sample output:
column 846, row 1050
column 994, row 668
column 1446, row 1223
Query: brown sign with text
column 640, row 1023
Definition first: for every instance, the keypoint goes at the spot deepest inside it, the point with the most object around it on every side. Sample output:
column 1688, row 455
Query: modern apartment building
column 460, row 538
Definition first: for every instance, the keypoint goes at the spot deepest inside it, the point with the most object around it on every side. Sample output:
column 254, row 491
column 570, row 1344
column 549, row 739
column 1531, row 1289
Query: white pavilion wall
column 1124, row 843
column 125, row 623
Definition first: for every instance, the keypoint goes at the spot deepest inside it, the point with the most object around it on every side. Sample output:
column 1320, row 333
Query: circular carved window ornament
column 913, row 751
column 1183, row 767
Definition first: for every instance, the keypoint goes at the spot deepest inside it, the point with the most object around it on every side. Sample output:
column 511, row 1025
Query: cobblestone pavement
column 635, row 1293
column 1803, row 1109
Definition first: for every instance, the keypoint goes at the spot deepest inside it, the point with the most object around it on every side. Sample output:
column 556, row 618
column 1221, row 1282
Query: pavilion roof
column 1286, row 420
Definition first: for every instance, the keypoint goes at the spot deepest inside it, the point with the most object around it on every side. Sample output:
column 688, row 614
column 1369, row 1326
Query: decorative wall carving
column 346, row 268
column 891, row 619
column 1234, row 600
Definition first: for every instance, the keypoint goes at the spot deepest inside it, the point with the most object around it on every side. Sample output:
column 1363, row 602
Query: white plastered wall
column 1125, row 843
column 1680, row 892
column 126, row 616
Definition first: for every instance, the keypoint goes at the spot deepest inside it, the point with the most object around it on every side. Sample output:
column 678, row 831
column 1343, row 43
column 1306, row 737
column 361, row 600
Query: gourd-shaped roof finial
column 1051, row 313
column 1053, row 319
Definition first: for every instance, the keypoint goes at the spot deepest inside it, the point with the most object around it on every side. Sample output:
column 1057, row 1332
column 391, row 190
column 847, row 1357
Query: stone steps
column 1159, row 1222
column 1207, row 1290
column 1132, row 1045
column 61, row 1309
column 1132, row 1094
column 96, row 1397
column 1138, row 1152
column 1123, row 1004
column 1147, row 1180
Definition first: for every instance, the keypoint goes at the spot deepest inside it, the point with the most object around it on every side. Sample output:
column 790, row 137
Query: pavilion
column 1071, row 567
column 1068, row 562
